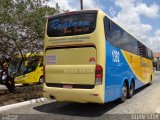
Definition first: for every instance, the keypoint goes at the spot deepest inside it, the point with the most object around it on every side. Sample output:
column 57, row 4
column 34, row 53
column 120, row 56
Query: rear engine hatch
column 75, row 65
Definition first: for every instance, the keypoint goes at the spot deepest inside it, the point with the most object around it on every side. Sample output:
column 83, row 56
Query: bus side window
column 152, row 55
column 107, row 27
column 142, row 49
column 149, row 54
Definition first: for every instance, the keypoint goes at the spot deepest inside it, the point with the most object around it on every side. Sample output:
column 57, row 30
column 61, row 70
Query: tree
column 22, row 24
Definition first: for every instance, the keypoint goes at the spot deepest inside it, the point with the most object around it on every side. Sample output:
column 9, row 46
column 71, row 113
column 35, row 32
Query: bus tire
column 124, row 93
column 41, row 80
column 131, row 90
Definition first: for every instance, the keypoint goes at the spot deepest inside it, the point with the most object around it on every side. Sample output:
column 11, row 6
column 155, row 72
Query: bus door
column 110, row 65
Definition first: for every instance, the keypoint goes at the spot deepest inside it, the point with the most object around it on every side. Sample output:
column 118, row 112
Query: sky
column 140, row 17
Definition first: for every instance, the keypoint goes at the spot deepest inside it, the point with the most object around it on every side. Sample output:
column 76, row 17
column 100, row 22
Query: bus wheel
column 41, row 80
column 124, row 93
column 131, row 90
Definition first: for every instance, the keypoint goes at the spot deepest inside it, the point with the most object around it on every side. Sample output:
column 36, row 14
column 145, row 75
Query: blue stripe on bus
column 117, row 70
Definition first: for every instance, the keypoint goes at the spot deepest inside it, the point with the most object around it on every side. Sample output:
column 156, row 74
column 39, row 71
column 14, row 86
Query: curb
column 25, row 103
column 3, row 87
column 157, row 110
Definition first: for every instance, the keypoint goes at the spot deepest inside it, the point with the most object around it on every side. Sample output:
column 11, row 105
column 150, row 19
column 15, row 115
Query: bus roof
column 98, row 11
column 72, row 12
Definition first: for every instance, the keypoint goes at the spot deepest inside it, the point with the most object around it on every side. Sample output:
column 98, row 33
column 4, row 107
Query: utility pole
column 81, row 4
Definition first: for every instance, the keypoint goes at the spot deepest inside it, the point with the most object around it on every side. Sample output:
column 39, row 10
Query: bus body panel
column 71, row 65
column 120, row 67
column 74, row 94
column 32, row 77
column 140, row 66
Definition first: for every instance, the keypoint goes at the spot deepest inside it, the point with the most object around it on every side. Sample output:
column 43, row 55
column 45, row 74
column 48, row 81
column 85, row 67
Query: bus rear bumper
column 74, row 95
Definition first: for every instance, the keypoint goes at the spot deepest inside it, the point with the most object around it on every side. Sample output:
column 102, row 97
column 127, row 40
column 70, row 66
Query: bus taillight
column 98, row 75
column 44, row 71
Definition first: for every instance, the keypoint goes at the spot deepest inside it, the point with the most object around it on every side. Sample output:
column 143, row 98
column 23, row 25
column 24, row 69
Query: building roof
column 155, row 55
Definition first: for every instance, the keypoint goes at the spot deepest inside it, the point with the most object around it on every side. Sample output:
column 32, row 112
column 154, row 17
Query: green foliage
column 22, row 25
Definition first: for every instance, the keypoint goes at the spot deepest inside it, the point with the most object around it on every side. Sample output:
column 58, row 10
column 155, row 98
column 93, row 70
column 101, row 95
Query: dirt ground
column 24, row 93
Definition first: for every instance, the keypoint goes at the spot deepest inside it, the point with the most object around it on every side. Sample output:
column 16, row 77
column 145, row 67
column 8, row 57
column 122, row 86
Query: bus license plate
column 67, row 86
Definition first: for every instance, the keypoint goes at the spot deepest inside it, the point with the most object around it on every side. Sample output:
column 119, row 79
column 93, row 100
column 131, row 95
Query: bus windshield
column 13, row 66
column 72, row 24
column 20, row 67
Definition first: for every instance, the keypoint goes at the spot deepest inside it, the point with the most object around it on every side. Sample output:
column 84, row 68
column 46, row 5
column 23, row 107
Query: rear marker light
column 98, row 81
column 98, row 75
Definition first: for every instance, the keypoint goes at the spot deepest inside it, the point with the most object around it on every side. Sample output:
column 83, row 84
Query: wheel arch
column 41, row 76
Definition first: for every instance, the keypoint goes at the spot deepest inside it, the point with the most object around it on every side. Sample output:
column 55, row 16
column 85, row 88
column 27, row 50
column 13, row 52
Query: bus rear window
column 74, row 24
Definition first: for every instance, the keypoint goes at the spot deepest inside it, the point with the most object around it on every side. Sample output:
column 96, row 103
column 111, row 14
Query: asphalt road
column 145, row 101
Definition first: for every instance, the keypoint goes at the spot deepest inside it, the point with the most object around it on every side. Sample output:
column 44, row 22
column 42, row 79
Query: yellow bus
column 90, row 58
column 28, row 70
